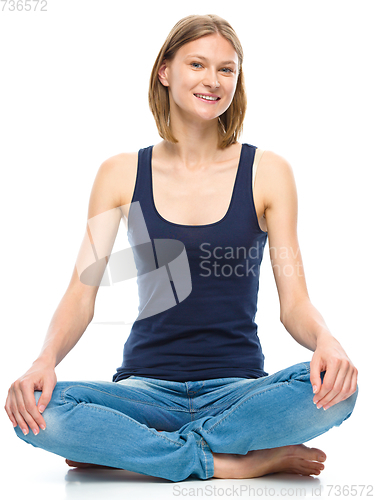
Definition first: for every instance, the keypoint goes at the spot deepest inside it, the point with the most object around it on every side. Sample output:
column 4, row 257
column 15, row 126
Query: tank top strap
column 143, row 185
column 243, row 196
column 245, row 172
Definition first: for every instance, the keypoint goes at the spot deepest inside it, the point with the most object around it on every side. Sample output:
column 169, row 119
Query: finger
column 11, row 417
column 20, row 421
column 343, row 394
column 46, row 395
column 354, row 386
column 328, row 383
column 31, row 408
column 14, row 410
column 9, row 411
column 336, row 387
column 315, row 376
column 21, row 407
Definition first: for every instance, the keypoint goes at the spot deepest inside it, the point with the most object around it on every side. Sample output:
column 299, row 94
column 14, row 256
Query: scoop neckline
column 197, row 225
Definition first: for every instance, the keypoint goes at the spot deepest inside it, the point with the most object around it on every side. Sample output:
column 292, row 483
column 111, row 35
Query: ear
column 162, row 74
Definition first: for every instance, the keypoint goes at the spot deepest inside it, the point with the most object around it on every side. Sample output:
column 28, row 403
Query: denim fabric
column 117, row 424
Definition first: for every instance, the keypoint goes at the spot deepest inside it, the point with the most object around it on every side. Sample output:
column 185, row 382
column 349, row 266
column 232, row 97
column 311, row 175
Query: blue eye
column 199, row 64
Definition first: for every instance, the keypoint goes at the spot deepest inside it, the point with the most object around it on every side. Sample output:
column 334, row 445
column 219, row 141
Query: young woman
column 191, row 398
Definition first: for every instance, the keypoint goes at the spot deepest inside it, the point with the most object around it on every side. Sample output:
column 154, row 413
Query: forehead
column 213, row 46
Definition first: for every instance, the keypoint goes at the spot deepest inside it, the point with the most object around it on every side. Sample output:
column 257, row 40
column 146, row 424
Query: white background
column 74, row 83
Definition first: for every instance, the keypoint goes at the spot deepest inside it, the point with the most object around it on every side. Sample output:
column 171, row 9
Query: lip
column 208, row 95
column 207, row 101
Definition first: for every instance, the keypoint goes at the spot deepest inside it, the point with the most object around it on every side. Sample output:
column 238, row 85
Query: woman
column 191, row 398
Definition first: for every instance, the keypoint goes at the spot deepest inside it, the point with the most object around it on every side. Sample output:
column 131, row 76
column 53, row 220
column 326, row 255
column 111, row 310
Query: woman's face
column 208, row 65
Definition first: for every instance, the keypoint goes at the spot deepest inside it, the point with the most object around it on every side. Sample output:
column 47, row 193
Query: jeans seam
column 205, row 457
column 203, row 446
column 195, row 392
column 123, row 415
column 170, row 408
column 286, row 382
column 120, row 397
column 307, row 365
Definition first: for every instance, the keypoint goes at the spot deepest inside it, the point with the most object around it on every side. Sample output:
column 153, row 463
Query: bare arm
column 76, row 309
column 300, row 318
column 69, row 322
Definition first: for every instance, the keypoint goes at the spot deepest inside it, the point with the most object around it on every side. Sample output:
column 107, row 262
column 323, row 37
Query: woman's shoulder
column 272, row 163
column 120, row 161
column 275, row 176
column 120, row 172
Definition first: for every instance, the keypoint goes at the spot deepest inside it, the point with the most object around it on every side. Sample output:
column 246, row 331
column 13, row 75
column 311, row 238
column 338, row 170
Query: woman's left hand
column 340, row 379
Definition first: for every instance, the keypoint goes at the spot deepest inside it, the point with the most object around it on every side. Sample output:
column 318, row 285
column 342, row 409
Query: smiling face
column 207, row 66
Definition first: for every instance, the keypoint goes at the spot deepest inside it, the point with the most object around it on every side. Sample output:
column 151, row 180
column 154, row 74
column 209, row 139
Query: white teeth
column 207, row 97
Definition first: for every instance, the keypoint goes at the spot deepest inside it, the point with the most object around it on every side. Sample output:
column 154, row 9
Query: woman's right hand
column 20, row 404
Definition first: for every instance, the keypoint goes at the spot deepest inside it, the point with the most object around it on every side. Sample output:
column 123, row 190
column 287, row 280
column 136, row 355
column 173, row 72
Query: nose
column 210, row 79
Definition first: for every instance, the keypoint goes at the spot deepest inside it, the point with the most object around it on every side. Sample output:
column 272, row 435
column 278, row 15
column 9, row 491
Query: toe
column 319, row 455
column 314, row 468
column 306, row 467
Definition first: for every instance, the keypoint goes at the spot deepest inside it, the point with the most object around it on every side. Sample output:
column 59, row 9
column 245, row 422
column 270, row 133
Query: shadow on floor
column 118, row 475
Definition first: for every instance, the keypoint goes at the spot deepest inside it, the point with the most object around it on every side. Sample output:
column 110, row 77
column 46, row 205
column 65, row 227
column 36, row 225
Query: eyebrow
column 204, row 59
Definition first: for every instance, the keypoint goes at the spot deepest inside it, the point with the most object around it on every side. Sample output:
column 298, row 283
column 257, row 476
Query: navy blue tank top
column 198, row 287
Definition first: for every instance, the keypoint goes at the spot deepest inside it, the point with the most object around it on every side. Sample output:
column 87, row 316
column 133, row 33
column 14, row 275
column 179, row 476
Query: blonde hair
column 230, row 123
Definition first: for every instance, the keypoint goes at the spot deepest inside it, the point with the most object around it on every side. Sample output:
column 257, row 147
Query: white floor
column 31, row 473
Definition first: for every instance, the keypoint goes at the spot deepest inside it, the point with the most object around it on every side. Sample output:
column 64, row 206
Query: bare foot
column 293, row 459
column 83, row 465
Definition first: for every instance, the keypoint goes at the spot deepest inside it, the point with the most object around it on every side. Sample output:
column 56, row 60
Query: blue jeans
column 117, row 424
